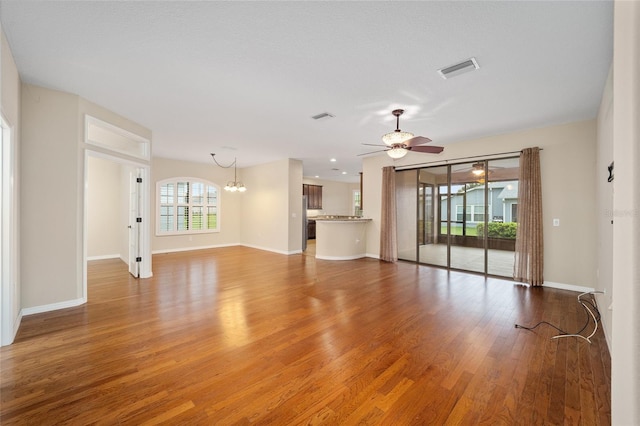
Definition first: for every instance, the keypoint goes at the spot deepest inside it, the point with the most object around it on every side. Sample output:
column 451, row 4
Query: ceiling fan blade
column 417, row 140
column 431, row 149
column 373, row 144
column 372, row 152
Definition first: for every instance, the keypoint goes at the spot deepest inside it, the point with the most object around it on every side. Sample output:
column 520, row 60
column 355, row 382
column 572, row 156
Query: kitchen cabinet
column 314, row 196
column 311, row 229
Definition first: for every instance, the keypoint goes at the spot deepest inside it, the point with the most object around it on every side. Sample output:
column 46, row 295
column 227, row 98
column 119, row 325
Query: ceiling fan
column 398, row 143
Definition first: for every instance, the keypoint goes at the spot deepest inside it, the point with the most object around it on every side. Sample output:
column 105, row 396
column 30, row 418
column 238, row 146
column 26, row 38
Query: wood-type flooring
column 237, row 336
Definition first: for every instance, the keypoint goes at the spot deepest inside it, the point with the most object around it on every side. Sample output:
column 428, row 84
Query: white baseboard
column 272, row 250
column 175, row 250
column 104, row 256
column 570, row 287
column 358, row 256
column 374, row 256
column 7, row 340
column 53, row 306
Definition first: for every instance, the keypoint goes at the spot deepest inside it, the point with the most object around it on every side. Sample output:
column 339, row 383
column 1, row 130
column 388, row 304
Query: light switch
column 556, row 222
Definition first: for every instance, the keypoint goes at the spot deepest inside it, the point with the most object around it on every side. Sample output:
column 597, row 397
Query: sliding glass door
column 461, row 216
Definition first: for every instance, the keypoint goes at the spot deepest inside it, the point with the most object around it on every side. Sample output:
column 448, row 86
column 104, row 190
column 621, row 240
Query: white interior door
column 135, row 221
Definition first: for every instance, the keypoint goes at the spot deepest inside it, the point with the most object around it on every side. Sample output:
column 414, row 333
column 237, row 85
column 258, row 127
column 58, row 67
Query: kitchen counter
column 340, row 237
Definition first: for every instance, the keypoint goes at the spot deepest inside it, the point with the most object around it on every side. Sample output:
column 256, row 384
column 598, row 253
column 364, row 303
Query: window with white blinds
column 187, row 206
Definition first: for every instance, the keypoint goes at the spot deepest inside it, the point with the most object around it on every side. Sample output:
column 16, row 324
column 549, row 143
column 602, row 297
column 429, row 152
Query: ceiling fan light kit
column 398, row 143
column 396, row 137
column 478, row 169
column 397, row 151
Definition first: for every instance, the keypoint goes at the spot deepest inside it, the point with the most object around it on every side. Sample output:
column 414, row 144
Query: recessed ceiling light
column 344, row 173
column 333, row 160
column 317, row 176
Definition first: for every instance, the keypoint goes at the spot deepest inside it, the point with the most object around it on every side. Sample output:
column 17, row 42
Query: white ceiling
column 242, row 79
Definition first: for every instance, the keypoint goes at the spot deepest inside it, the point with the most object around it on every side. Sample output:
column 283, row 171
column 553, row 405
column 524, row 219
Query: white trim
column 176, row 250
column 143, row 142
column 373, row 256
column 353, row 257
column 104, row 256
column 10, row 225
column 54, row 306
column 562, row 286
column 16, row 324
column 288, row 253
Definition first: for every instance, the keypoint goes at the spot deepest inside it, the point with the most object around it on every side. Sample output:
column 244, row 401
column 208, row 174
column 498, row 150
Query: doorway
column 119, row 200
column 114, row 201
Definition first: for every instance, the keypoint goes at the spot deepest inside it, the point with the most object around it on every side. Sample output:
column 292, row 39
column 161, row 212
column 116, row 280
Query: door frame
column 145, row 228
column 10, row 312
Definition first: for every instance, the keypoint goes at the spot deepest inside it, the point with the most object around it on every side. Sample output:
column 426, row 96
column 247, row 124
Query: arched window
column 187, row 206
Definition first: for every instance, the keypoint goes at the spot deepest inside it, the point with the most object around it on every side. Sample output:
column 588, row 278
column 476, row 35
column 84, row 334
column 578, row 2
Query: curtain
column 388, row 232
column 529, row 264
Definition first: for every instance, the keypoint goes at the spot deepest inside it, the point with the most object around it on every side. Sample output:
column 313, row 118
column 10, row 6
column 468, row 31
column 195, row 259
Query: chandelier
column 235, row 185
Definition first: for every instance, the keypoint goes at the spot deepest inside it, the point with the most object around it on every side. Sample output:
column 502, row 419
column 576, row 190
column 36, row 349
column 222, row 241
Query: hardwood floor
column 237, row 335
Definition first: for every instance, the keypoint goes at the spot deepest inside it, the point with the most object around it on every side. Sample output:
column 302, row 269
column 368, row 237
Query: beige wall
column 104, row 209
column 266, row 207
column 51, row 222
column 229, row 209
column 267, row 216
column 10, row 83
column 625, row 353
column 568, row 182
column 52, row 194
column 10, row 109
column 337, row 197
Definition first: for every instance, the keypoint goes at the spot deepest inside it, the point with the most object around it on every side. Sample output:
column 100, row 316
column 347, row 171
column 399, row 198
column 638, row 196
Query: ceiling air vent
column 465, row 66
column 322, row 115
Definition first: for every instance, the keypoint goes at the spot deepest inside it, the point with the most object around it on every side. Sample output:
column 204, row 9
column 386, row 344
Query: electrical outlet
column 556, row 222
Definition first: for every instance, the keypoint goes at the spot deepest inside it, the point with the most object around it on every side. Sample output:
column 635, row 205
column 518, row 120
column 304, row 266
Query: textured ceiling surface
column 242, row 79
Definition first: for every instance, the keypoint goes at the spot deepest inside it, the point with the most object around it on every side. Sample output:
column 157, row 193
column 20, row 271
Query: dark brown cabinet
column 311, row 229
column 314, row 196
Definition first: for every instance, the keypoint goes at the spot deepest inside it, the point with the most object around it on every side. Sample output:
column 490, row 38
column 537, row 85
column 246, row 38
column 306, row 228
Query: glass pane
column 212, row 196
column 167, row 193
column 502, row 220
column 468, row 201
column 212, row 217
column 197, row 221
column 183, row 192
column 407, row 205
column 197, row 193
column 183, row 218
column 166, row 218
column 433, row 216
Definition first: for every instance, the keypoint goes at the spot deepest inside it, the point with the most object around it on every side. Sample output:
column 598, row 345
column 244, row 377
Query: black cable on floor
column 562, row 332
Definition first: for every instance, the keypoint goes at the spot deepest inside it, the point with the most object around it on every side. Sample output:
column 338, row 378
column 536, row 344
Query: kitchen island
column 341, row 237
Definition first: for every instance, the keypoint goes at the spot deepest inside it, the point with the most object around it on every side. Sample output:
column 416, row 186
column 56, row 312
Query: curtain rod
column 444, row 162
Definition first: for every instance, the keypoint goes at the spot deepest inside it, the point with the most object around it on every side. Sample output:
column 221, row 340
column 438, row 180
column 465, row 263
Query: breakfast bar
column 341, row 237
